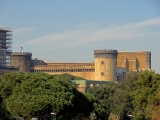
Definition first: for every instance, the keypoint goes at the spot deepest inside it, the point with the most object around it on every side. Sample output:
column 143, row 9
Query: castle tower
column 22, row 60
column 105, row 65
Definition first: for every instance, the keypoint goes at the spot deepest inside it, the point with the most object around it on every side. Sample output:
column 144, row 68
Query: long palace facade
column 106, row 66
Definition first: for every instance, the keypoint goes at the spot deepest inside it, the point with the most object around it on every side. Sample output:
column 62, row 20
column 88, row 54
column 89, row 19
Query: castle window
column 102, row 73
column 102, row 62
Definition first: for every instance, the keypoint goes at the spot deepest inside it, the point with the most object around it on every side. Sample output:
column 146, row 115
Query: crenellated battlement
column 21, row 53
column 105, row 51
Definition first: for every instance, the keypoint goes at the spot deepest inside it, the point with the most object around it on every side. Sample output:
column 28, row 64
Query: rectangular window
column 102, row 62
column 102, row 73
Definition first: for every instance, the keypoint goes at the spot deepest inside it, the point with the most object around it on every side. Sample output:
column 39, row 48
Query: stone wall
column 84, row 85
column 134, row 61
column 21, row 60
column 85, row 70
column 106, row 70
column 105, row 65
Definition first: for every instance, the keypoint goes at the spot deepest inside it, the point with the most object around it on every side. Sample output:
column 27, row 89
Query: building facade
column 134, row 61
column 21, row 60
column 107, row 65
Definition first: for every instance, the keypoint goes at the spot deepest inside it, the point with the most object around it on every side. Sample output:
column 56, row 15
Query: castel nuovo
column 109, row 65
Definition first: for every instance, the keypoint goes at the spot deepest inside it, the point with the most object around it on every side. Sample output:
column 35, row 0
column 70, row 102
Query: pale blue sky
column 70, row 30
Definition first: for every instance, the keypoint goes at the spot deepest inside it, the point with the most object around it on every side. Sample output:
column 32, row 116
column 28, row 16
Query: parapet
column 105, row 51
column 21, row 53
column 148, row 52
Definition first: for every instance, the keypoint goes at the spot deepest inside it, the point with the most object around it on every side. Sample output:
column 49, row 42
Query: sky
column 70, row 30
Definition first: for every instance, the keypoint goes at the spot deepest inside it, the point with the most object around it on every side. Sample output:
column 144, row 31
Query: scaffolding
column 5, row 47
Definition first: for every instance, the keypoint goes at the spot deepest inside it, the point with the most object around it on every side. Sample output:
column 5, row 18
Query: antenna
column 21, row 48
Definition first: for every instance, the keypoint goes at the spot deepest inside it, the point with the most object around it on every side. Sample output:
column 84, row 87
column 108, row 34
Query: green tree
column 104, row 94
column 69, row 77
column 122, row 99
column 145, row 94
column 39, row 94
column 3, row 111
column 115, row 97
column 33, row 94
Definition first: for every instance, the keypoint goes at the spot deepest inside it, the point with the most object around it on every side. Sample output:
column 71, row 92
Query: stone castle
column 108, row 65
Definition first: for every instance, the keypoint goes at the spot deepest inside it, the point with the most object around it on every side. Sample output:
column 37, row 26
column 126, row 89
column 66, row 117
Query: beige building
column 108, row 65
column 134, row 61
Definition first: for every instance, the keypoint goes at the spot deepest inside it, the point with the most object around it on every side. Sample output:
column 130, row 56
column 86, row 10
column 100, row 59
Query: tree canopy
column 39, row 94
column 146, row 95
column 138, row 94
column 104, row 95
column 116, row 97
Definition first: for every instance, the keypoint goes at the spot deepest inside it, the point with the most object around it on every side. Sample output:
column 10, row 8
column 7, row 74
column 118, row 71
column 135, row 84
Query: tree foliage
column 146, row 95
column 39, row 94
column 138, row 94
column 115, row 97
column 122, row 100
column 104, row 95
